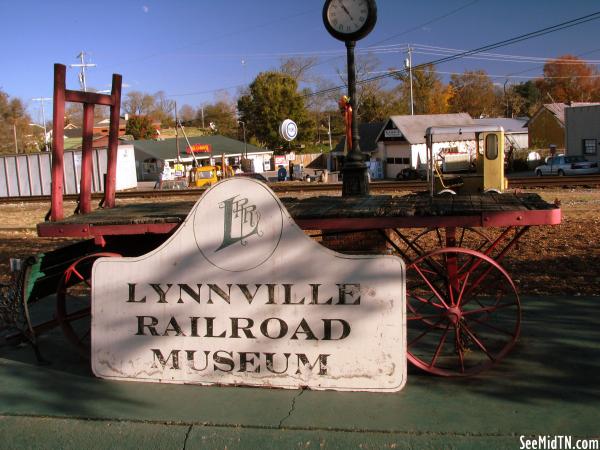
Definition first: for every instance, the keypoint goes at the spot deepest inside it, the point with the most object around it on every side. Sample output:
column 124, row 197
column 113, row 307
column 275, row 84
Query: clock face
column 349, row 20
column 347, row 16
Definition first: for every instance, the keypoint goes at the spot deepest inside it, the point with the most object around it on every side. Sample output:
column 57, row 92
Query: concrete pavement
column 549, row 385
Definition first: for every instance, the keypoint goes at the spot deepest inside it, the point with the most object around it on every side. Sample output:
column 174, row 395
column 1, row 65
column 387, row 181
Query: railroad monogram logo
column 241, row 221
column 238, row 229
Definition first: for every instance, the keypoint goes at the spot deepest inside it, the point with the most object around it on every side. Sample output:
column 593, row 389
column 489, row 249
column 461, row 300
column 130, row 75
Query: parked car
column 256, row 176
column 566, row 165
column 408, row 173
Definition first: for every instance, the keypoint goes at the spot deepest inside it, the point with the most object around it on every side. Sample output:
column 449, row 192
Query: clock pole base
column 355, row 179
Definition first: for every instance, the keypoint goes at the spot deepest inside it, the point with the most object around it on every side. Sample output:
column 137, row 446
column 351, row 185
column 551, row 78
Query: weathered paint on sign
column 240, row 295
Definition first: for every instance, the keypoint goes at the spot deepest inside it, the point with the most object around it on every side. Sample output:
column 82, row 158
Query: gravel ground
column 563, row 259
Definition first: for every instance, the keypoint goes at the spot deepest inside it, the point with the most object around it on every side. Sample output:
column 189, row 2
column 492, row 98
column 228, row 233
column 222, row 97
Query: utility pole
column 177, row 133
column 202, row 113
column 15, row 135
column 329, row 131
column 505, row 99
column 408, row 65
column 42, row 100
column 329, row 157
column 83, row 66
column 245, row 143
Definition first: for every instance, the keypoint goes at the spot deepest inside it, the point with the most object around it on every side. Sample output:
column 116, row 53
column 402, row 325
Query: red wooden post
column 89, row 99
column 85, row 190
column 113, row 143
column 58, row 125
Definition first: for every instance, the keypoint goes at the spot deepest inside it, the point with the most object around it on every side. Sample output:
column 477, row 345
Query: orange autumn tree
column 569, row 79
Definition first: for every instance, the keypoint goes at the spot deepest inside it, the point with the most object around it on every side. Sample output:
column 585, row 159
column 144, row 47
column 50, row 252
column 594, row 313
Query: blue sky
column 194, row 49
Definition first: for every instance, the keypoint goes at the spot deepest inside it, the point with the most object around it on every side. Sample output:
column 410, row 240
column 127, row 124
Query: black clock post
column 354, row 171
column 350, row 21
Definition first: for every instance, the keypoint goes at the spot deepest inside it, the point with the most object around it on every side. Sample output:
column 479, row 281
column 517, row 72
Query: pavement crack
column 292, row 407
column 187, row 435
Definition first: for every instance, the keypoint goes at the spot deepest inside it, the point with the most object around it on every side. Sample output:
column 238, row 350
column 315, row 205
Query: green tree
column 222, row 114
column 140, row 127
column 272, row 97
column 377, row 105
column 473, row 92
column 531, row 95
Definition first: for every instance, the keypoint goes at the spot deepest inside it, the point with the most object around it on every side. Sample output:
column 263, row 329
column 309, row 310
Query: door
column 493, row 161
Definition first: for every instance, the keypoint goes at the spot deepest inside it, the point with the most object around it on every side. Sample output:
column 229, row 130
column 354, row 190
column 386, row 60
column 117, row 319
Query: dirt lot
column 563, row 259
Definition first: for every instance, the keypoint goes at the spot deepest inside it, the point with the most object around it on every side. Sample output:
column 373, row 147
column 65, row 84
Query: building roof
column 167, row 148
column 413, row 128
column 367, row 133
column 517, row 125
column 558, row 109
column 106, row 122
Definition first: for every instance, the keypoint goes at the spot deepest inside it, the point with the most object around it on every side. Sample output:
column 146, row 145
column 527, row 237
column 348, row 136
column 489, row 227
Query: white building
column 403, row 139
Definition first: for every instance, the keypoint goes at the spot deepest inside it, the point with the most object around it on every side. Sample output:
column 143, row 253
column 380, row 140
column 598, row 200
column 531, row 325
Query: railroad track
column 376, row 186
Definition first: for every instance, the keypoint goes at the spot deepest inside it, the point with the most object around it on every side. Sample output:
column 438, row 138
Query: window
column 589, row 146
column 491, row 146
column 574, row 159
column 405, row 161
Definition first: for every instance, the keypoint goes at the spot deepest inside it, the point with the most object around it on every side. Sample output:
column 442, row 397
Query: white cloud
column 145, row 8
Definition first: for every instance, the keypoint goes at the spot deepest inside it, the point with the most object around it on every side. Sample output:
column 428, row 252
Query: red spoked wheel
column 463, row 312
column 73, row 302
column 436, row 238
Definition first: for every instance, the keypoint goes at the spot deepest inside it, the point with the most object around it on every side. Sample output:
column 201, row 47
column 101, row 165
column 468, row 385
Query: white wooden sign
column 239, row 295
column 392, row 133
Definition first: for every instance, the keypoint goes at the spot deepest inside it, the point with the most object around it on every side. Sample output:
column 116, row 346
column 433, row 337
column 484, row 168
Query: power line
column 335, row 52
column 215, row 38
column 416, row 27
column 484, row 74
column 402, row 48
column 503, row 43
column 517, row 59
column 429, row 22
column 542, row 66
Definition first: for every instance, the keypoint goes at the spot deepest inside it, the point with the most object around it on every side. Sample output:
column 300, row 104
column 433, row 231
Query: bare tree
column 163, row 109
column 187, row 113
column 299, row 68
column 373, row 102
column 138, row 103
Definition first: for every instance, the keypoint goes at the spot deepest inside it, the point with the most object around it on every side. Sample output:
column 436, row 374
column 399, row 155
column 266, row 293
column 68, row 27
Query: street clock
column 349, row 20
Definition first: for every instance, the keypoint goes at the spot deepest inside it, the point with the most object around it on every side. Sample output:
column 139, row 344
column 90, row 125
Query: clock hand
column 347, row 12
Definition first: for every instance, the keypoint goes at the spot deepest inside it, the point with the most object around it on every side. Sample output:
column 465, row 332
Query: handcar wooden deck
column 463, row 307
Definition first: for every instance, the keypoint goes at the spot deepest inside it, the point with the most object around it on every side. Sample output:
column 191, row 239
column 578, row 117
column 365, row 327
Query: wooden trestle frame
column 89, row 100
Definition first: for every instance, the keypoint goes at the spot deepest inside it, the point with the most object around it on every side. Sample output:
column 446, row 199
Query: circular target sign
column 288, row 130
